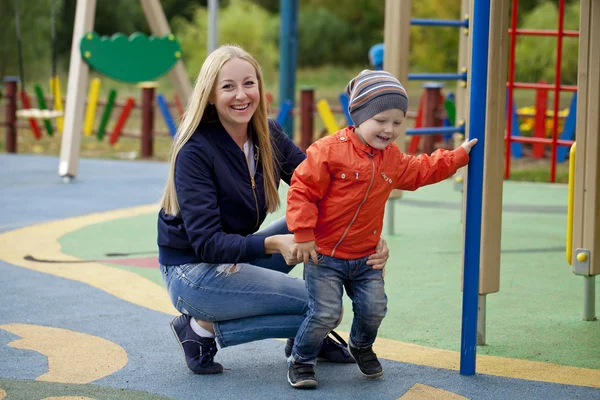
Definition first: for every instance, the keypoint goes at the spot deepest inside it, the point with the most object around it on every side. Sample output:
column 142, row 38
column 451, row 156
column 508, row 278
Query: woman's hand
column 284, row 245
column 379, row 259
column 468, row 144
column 306, row 250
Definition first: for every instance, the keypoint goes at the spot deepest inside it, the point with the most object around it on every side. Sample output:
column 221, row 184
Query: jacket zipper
column 253, row 189
column 357, row 210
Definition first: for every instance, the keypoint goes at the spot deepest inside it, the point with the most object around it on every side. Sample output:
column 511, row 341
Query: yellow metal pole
column 58, row 102
column 569, row 253
column 327, row 116
column 90, row 112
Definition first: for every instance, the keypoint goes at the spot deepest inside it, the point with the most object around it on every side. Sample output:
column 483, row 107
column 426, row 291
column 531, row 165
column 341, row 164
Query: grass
column 327, row 81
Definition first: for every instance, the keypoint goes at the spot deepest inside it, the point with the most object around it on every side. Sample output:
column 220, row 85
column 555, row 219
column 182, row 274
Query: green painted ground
column 535, row 316
column 33, row 390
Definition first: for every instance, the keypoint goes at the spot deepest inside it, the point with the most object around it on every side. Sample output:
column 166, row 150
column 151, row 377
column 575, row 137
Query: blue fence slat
column 345, row 102
column 164, row 110
column 284, row 113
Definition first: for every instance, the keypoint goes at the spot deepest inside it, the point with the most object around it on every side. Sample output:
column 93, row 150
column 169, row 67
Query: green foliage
column 242, row 23
column 34, row 19
column 434, row 49
column 127, row 18
column 535, row 56
column 323, row 37
column 362, row 28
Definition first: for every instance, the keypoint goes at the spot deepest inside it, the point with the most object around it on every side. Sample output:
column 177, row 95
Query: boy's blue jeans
column 324, row 281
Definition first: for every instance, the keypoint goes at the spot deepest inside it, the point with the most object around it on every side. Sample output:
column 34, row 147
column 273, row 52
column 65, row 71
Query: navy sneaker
column 367, row 361
column 302, row 376
column 199, row 351
column 331, row 350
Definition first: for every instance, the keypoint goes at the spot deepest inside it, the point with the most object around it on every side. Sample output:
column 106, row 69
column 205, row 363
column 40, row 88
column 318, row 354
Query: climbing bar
column 164, row 110
column 437, row 77
column 114, row 136
column 544, row 32
column 32, row 122
column 58, row 101
column 106, row 114
column 564, row 88
column 90, row 112
column 440, row 130
column 39, row 93
column 548, row 141
column 439, row 22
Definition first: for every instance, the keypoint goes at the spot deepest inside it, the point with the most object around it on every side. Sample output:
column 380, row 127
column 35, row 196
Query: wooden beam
column 76, row 92
column 493, row 171
column 591, row 206
column 396, row 52
column 160, row 26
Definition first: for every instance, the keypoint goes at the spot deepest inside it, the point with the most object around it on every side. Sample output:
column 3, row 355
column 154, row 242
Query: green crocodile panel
column 137, row 58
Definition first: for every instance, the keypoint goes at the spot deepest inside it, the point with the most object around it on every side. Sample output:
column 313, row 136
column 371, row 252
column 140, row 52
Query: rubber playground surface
column 84, row 314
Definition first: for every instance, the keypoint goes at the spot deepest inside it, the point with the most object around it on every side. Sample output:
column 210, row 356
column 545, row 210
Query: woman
column 229, row 281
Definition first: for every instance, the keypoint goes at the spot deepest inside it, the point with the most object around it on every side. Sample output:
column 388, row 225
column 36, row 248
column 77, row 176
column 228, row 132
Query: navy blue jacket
column 219, row 209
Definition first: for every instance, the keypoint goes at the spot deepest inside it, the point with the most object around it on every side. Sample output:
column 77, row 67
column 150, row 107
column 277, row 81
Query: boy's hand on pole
column 468, row 144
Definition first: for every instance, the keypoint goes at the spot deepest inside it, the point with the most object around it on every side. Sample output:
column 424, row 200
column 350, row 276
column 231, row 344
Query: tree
column 35, row 33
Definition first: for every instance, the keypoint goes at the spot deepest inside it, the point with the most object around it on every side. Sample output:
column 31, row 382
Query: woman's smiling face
column 236, row 93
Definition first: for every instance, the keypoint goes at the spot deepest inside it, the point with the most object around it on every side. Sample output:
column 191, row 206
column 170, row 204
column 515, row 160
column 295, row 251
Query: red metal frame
column 556, row 87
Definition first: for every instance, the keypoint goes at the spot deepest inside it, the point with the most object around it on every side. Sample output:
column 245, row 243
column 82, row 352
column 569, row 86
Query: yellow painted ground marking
column 73, row 357
column 2, row 394
column 491, row 365
column 68, row 398
column 424, row 392
column 41, row 241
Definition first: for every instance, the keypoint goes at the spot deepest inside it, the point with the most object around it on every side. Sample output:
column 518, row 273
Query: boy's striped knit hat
column 372, row 92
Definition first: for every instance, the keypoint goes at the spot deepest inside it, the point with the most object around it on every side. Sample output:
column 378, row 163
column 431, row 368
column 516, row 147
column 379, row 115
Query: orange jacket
column 337, row 195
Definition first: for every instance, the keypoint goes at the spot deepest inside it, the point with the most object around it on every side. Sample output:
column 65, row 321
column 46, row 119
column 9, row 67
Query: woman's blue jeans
column 325, row 280
column 245, row 302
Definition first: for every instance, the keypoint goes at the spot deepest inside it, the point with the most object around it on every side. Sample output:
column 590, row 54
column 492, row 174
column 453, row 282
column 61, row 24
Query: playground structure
column 484, row 192
column 486, row 117
column 79, row 72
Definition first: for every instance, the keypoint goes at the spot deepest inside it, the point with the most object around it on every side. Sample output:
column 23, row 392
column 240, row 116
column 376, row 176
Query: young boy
column 336, row 203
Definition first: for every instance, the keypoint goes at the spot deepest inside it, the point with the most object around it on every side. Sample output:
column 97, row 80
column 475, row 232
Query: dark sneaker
column 367, row 361
column 199, row 351
column 331, row 350
column 302, row 376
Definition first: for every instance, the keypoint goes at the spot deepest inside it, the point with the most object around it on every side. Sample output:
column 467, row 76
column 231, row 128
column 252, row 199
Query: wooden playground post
column 147, row 139
column 586, row 202
column 307, row 100
column 78, row 78
column 159, row 26
column 395, row 61
column 10, row 92
column 464, row 55
column 493, row 162
column 431, row 111
column 397, row 43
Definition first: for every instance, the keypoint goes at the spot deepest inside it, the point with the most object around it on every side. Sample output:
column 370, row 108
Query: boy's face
column 382, row 129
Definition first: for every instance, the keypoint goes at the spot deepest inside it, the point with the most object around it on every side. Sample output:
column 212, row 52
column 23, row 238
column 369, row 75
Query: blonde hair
column 197, row 110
